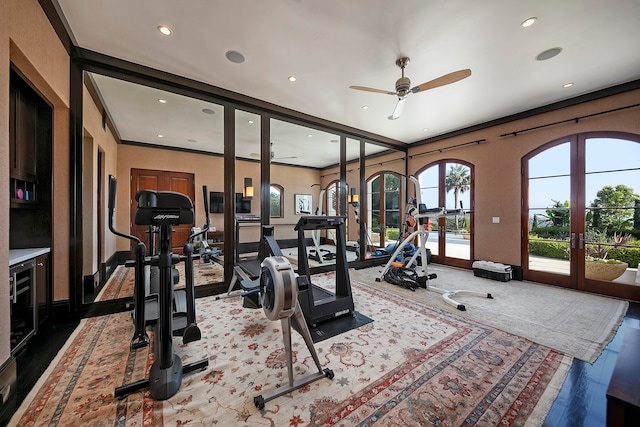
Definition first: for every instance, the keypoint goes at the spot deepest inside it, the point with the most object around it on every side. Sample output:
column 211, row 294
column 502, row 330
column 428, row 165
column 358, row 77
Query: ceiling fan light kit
column 403, row 85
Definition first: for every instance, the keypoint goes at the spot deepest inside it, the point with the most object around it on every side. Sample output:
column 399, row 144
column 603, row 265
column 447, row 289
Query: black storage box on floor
column 492, row 270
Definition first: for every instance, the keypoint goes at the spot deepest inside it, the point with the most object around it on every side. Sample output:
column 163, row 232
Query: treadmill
column 319, row 304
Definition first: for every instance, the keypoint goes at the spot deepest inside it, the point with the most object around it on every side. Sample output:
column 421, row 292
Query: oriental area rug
column 411, row 366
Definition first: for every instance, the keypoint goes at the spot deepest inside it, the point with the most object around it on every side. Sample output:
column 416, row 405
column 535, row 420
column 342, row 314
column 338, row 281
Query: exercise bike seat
column 163, row 208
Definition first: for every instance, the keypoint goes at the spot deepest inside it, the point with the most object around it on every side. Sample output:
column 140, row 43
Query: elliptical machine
column 164, row 209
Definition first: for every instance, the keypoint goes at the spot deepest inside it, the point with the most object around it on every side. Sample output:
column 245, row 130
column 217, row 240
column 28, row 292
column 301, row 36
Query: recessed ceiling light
column 365, row 107
column 250, row 122
column 309, row 135
column 208, row 111
column 425, row 129
column 528, row 22
column 235, row 56
column 162, row 101
column 164, row 30
column 566, row 85
column 160, row 136
column 292, row 78
column 549, row 53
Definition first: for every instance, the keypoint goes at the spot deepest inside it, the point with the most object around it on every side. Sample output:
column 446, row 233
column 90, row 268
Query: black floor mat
column 337, row 326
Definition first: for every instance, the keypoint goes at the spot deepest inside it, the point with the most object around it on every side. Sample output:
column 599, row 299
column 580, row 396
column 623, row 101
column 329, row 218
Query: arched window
column 276, row 194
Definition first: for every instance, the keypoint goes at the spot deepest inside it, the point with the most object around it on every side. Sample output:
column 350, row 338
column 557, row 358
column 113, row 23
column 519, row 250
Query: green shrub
column 559, row 250
column 629, row 255
column 392, row 234
column 548, row 249
column 550, row 232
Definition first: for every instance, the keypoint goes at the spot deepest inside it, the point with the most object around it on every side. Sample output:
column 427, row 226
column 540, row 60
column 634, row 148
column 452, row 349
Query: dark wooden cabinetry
column 30, row 166
column 28, row 115
column 22, row 132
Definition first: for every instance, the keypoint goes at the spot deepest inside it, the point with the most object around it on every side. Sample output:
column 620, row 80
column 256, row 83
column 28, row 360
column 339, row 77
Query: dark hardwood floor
column 32, row 360
column 581, row 402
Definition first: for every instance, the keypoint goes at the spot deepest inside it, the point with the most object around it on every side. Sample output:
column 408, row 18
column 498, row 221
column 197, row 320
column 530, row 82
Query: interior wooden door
column 180, row 182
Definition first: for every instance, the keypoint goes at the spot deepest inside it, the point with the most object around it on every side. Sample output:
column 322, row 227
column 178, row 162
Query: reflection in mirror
column 247, row 183
column 384, row 179
column 304, row 162
column 353, row 196
column 147, row 139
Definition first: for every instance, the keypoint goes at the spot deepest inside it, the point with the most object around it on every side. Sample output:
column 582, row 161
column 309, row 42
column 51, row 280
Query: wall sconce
column 353, row 198
column 248, row 188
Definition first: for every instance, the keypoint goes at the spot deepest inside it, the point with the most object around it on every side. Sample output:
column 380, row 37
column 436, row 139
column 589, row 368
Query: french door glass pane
column 549, row 219
column 392, row 208
column 457, row 183
column 429, row 194
column 373, row 217
column 612, row 209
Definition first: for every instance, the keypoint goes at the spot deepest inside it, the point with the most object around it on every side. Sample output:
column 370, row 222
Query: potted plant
column 464, row 229
column 596, row 264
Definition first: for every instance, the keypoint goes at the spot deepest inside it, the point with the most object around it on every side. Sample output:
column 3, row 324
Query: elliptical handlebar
column 113, row 184
column 207, row 223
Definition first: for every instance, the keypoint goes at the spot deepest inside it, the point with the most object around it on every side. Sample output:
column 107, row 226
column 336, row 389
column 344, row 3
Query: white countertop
column 20, row 255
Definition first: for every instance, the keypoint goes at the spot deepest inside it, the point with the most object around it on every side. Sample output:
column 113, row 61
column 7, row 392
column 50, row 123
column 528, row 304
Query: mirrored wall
column 154, row 136
column 148, row 139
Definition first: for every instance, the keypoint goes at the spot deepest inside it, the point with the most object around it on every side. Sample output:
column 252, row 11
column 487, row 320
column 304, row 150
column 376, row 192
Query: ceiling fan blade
column 370, row 89
column 443, row 80
column 398, row 110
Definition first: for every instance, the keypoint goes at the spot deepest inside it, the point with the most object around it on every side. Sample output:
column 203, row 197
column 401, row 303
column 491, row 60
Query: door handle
column 573, row 240
column 581, row 241
column 14, row 279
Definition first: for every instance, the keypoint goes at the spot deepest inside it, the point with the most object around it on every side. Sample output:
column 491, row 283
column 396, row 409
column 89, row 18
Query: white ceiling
column 330, row 45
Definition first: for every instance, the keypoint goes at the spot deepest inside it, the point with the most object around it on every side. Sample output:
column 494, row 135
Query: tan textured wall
column 96, row 138
column 498, row 161
column 28, row 40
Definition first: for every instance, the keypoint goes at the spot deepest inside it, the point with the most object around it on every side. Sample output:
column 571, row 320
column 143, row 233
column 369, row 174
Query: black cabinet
column 22, row 299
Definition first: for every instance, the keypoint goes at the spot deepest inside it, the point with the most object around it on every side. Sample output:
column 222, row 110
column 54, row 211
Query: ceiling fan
column 273, row 155
column 403, row 85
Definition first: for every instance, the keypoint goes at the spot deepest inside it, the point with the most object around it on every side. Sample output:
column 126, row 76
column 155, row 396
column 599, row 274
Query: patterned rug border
column 153, row 411
column 543, row 406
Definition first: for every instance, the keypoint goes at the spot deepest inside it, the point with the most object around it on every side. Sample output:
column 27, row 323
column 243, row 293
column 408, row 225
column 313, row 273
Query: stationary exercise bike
column 163, row 209
column 418, row 266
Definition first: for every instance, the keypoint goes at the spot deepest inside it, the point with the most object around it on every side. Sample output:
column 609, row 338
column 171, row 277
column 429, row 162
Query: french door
column 581, row 213
column 383, row 210
column 449, row 184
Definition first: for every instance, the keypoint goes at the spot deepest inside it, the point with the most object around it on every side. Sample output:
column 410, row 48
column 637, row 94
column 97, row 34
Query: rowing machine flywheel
column 279, row 288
